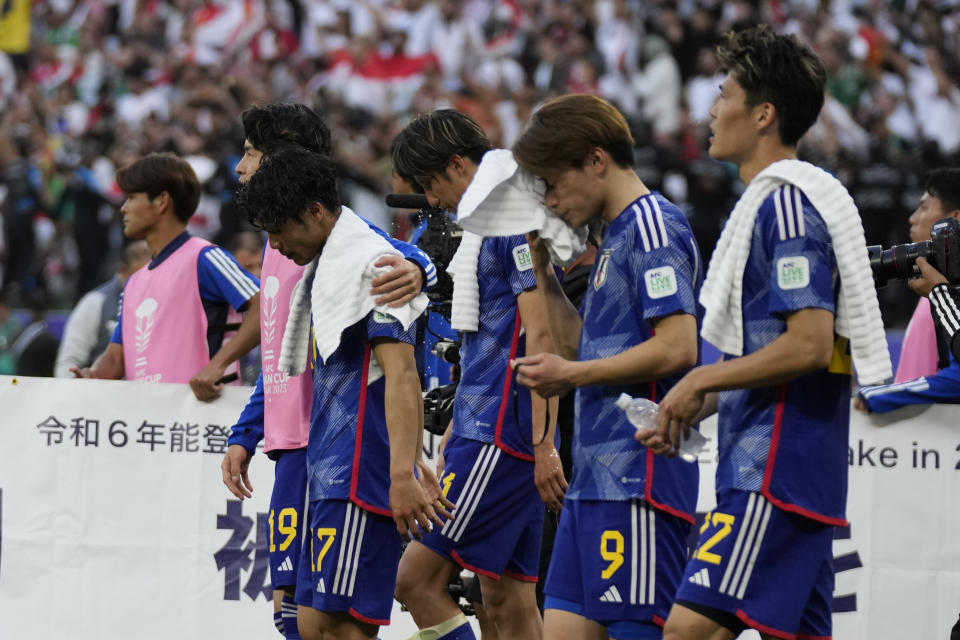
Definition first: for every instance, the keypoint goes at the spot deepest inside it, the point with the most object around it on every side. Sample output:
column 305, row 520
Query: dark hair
column 287, row 184
column 944, row 184
column 565, row 129
column 425, row 146
column 158, row 172
column 780, row 70
column 268, row 125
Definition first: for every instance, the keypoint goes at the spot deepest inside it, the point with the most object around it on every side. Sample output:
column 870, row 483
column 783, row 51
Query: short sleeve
column 802, row 262
column 222, row 280
column 517, row 262
column 383, row 325
column 666, row 262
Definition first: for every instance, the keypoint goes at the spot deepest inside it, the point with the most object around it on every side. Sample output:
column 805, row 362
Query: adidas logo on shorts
column 286, row 565
column 611, row 595
column 701, row 578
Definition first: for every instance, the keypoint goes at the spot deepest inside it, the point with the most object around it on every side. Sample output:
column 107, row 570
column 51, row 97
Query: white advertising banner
column 114, row 521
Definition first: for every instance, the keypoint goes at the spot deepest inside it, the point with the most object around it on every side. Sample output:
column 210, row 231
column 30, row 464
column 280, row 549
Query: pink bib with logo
column 286, row 400
column 164, row 325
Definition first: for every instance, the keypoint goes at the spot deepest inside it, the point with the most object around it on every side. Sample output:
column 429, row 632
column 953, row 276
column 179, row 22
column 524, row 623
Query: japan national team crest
column 601, row 274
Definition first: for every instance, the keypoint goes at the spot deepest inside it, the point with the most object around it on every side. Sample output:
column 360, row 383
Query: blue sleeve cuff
column 248, row 432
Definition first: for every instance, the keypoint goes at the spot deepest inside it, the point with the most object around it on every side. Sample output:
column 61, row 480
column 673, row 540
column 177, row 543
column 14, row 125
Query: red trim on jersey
column 497, row 439
column 477, row 570
column 648, row 477
column 657, row 620
column 362, row 618
column 361, row 411
column 771, row 461
column 753, row 624
column 803, row 636
column 520, row 576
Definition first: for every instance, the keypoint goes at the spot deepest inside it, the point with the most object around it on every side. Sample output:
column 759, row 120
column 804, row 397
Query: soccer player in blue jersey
column 281, row 415
column 500, row 453
column 764, row 558
column 621, row 543
column 366, row 407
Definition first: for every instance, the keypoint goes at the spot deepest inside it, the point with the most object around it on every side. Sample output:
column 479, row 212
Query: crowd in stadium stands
column 87, row 86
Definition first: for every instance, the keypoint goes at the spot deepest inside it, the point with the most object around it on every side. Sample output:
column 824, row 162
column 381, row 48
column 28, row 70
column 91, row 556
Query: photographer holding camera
column 928, row 371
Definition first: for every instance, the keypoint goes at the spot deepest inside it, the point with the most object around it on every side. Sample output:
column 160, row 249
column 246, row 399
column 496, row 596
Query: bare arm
column 403, row 407
column 562, row 319
column 109, row 366
column 205, row 384
column 548, row 471
column 804, row 347
column 672, row 348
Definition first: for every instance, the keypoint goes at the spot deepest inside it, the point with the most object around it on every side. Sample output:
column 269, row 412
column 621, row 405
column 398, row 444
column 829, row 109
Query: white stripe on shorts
column 472, row 492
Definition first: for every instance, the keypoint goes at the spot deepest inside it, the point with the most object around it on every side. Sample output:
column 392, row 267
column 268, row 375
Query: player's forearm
column 563, row 321
column 786, row 358
column 544, row 421
column 404, row 416
column 666, row 353
column 245, row 339
column 109, row 366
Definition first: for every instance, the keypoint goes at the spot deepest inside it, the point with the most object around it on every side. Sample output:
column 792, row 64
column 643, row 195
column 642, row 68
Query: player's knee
column 504, row 606
column 408, row 586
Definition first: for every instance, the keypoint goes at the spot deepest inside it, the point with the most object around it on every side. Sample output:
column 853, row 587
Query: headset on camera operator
column 932, row 268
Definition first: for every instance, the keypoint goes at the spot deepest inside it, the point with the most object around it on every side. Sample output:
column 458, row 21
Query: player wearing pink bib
column 173, row 312
column 279, row 408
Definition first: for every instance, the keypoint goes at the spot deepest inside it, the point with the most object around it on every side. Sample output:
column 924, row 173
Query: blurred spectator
column 247, row 248
column 35, row 349
column 87, row 86
column 87, row 331
column 9, row 330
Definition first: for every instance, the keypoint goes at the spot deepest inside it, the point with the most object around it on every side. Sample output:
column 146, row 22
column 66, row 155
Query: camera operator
column 501, row 448
column 928, row 371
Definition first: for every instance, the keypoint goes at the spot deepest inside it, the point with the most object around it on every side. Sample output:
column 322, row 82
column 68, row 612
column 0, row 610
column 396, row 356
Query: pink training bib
column 918, row 353
column 286, row 400
column 164, row 325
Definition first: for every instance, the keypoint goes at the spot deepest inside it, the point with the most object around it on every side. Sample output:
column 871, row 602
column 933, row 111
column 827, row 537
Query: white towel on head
column 858, row 312
column 505, row 200
column 334, row 292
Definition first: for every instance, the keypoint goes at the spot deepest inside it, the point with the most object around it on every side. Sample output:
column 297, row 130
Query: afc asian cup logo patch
column 793, row 272
column 660, row 282
column 600, row 276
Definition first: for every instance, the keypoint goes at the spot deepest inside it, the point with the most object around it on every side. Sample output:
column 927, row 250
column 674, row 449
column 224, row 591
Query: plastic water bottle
column 642, row 414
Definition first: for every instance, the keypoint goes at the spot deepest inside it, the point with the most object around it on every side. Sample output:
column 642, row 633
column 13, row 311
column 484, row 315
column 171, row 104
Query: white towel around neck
column 334, row 292
column 502, row 200
column 858, row 312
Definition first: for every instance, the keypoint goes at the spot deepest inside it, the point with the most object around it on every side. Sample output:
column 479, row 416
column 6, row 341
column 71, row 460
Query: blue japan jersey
column 488, row 407
column 348, row 454
column 648, row 267
column 789, row 441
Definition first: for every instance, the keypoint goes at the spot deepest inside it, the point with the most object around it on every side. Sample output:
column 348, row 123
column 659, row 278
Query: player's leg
column 422, row 580
column 287, row 520
column 327, row 625
column 687, row 624
column 512, row 604
column 559, row 624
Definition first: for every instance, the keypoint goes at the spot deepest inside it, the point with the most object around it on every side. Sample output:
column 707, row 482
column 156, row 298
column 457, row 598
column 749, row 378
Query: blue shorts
column 770, row 568
column 616, row 562
column 286, row 521
column 499, row 516
column 349, row 562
